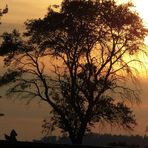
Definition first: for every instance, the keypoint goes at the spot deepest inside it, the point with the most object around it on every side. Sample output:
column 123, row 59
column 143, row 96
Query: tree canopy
column 75, row 59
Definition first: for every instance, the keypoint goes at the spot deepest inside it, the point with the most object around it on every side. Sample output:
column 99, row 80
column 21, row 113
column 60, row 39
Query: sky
column 27, row 119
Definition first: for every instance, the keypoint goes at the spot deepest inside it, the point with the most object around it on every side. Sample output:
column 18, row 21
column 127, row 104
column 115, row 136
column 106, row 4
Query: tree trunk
column 77, row 140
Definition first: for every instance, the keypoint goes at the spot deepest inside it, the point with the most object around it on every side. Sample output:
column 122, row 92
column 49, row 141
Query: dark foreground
column 19, row 144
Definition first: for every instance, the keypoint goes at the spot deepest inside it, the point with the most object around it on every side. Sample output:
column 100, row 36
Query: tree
column 79, row 60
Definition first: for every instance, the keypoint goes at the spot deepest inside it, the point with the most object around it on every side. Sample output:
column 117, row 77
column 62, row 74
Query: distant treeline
column 135, row 141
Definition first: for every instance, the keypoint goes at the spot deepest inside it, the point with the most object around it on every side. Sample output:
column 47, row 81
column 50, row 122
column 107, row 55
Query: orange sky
column 27, row 119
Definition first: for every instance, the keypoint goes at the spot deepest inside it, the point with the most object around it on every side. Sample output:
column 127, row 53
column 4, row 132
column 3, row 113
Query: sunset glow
column 28, row 121
column 142, row 8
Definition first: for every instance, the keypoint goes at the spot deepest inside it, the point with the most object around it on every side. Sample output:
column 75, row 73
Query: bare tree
column 92, row 45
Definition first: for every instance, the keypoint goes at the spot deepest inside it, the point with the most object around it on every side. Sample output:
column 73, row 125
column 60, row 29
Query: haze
column 27, row 119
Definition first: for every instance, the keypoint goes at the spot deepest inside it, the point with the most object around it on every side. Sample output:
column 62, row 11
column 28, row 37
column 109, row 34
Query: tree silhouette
column 78, row 60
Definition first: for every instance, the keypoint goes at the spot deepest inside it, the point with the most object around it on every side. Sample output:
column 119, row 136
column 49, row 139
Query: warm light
column 146, row 41
column 142, row 8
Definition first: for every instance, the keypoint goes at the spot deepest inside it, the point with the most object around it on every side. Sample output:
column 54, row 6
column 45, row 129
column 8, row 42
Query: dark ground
column 20, row 144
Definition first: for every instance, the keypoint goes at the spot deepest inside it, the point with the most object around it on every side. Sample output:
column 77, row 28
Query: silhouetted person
column 12, row 137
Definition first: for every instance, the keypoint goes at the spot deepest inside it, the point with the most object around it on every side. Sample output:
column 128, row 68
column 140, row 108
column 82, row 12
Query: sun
column 142, row 8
